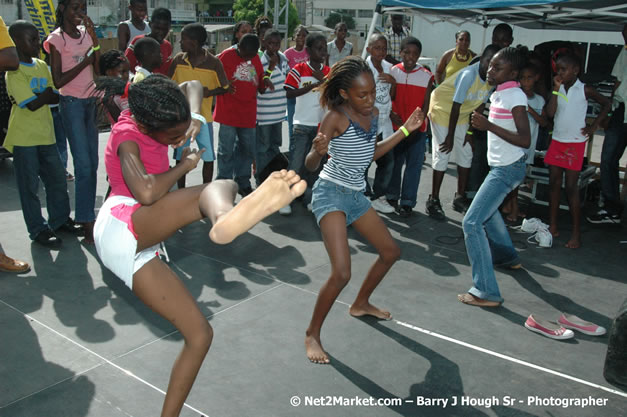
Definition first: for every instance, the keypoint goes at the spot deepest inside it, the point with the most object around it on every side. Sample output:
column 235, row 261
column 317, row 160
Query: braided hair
column 111, row 59
column 59, row 17
column 156, row 102
column 341, row 77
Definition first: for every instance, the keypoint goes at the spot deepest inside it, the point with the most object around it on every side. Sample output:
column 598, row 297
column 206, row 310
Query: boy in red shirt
column 300, row 84
column 413, row 89
column 160, row 23
column 236, row 111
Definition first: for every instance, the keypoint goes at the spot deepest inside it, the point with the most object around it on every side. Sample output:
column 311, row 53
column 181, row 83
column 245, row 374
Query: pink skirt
column 566, row 155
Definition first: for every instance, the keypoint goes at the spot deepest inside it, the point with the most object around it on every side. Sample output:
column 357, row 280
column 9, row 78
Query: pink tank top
column 154, row 155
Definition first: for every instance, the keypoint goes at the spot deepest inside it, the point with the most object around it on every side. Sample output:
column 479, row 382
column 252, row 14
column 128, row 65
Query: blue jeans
column 236, row 150
column 79, row 121
column 300, row 145
column 269, row 139
column 32, row 163
column 411, row 152
column 613, row 148
column 291, row 108
column 485, row 233
column 59, row 134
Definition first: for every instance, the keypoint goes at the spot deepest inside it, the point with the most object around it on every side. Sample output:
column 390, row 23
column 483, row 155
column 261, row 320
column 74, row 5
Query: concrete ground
column 74, row 341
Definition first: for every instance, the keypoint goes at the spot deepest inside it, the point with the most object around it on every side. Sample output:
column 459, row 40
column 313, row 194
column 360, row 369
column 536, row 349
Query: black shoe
column 460, row 204
column 404, row 211
column 393, row 203
column 245, row 191
column 602, row 216
column 434, row 209
column 72, row 227
column 48, row 238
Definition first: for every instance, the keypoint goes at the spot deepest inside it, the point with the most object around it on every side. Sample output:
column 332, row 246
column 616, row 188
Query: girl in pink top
column 74, row 54
column 142, row 211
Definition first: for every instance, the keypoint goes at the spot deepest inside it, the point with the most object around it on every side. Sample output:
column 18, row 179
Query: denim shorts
column 204, row 140
column 329, row 196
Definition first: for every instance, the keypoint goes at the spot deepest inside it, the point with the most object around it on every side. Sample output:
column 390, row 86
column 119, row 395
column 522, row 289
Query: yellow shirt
column 465, row 87
column 5, row 39
column 455, row 65
column 26, row 127
column 207, row 77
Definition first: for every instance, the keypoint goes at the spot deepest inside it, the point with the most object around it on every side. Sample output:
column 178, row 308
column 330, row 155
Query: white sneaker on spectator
column 382, row 206
column 285, row 211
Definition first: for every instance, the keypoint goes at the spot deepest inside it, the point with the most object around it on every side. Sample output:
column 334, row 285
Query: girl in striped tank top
column 348, row 136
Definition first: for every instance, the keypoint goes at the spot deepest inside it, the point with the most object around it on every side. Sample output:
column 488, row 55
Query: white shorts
column 116, row 242
column 462, row 154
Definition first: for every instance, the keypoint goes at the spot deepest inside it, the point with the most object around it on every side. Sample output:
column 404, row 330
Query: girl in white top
column 487, row 239
column 568, row 106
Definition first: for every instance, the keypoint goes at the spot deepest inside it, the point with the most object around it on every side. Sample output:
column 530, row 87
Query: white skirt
column 116, row 242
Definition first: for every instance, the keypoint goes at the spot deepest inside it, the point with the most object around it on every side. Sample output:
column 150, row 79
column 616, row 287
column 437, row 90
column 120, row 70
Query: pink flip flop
column 547, row 328
column 571, row 321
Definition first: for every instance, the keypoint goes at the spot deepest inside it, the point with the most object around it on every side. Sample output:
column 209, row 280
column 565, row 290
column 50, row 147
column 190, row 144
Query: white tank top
column 134, row 31
column 570, row 116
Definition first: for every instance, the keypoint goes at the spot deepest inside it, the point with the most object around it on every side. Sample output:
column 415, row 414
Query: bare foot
column 277, row 191
column 476, row 301
column 573, row 243
column 315, row 353
column 554, row 232
column 369, row 310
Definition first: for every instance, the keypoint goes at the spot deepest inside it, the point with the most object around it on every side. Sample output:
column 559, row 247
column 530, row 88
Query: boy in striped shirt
column 271, row 104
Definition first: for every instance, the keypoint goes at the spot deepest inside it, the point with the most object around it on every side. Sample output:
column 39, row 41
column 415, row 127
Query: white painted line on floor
column 511, row 359
column 125, row 371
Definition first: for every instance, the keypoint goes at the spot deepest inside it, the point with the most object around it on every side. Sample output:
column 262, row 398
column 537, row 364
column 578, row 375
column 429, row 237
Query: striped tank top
column 350, row 154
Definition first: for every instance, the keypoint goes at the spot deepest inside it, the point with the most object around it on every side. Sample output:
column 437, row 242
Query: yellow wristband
column 469, row 132
column 404, row 130
column 266, row 77
column 96, row 48
column 562, row 95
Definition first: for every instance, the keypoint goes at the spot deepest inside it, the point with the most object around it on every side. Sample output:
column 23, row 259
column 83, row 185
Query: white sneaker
column 382, row 206
column 543, row 237
column 532, row 225
column 285, row 211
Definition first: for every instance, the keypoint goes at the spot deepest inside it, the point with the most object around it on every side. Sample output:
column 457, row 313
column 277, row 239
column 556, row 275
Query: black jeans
column 613, row 148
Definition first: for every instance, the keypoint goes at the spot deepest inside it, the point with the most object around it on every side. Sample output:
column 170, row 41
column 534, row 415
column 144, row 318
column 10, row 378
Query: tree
column 250, row 10
column 339, row 16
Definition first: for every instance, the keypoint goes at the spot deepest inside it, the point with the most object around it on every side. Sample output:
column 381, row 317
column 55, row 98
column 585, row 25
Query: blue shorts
column 203, row 140
column 329, row 196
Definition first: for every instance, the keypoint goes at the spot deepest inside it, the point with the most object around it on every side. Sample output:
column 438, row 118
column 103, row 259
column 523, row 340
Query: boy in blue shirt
column 31, row 139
